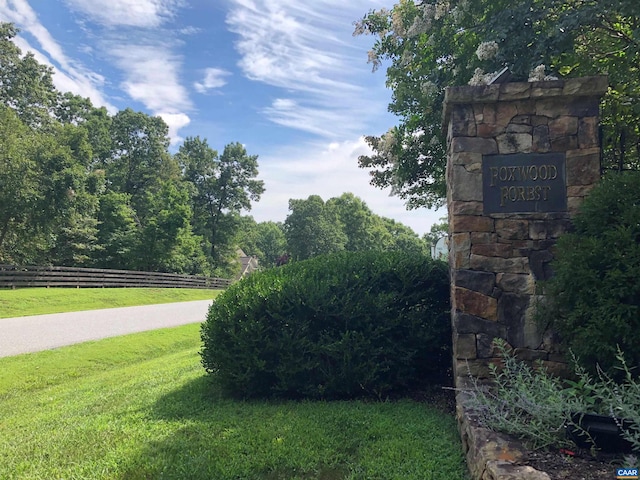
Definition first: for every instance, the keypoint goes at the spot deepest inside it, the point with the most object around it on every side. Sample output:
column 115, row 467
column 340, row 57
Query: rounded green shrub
column 596, row 284
column 335, row 326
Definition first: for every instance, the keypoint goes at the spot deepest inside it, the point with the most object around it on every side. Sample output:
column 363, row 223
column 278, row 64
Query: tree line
column 82, row 187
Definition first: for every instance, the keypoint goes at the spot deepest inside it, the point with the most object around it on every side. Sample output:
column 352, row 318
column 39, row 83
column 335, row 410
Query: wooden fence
column 12, row 276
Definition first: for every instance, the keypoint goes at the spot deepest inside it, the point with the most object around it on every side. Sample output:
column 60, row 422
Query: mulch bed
column 575, row 464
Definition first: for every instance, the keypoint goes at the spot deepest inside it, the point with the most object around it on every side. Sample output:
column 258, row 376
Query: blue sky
column 286, row 78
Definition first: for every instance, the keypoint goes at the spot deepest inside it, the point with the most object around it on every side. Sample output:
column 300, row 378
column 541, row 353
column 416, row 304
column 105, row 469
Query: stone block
column 505, row 113
column 519, row 128
column 472, row 94
column 530, row 355
column 463, row 121
column 471, row 223
column 515, row 91
column 521, row 120
column 485, row 146
column 583, row 106
column 562, row 144
column 525, row 107
column 464, row 186
column 467, row 323
column 490, row 130
column 588, row 135
column 475, row 368
column 464, row 346
column 537, row 120
column 583, row 166
column 515, row 143
column 496, row 264
column 539, row 264
column 557, row 369
column 482, row 282
column 489, row 113
column 465, row 158
column 512, row 229
column 475, row 303
column 579, row 190
column 563, row 126
column 503, row 250
column 485, row 347
column 501, row 470
column 538, row 230
column 465, row 208
column 520, row 283
column 480, row 238
column 511, row 311
column 586, row 86
column 541, row 142
column 460, row 250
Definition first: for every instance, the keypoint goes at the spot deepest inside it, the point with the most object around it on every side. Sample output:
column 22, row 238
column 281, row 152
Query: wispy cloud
column 127, row 13
column 307, row 48
column 70, row 75
column 213, row 78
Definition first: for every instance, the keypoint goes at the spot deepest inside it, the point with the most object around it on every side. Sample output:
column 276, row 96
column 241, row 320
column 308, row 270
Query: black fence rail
column 12, row 276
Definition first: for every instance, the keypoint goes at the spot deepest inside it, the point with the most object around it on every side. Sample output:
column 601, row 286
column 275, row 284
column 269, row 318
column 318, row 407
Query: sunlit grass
column 141, row 407
column 37, row 301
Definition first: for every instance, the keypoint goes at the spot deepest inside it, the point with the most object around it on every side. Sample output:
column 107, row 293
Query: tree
column 26, row 86
column 139, row 157
column 364, row 229
column 432, row 45
column 222, row 187
column 20, row 192
column 312, row 228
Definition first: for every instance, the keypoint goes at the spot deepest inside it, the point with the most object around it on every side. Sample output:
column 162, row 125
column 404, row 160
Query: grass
column 142, row 407
column 37, row 301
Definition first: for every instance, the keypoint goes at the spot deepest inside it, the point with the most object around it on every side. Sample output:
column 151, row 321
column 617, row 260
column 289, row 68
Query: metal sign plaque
column 524, row 183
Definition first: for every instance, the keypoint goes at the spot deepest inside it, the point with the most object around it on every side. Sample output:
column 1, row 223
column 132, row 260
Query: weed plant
column 531, row 404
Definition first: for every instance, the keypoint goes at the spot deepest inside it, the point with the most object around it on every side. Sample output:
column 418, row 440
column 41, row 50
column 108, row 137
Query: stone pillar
column 521, row 158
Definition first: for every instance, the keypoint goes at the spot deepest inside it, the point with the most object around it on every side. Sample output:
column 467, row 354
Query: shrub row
column 596, row 287
column 336, row 326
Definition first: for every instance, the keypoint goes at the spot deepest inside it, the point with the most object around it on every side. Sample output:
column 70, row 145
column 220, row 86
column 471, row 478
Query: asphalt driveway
column 43, row 332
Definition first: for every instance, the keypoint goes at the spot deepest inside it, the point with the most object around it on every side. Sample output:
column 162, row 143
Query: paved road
column 43, row 332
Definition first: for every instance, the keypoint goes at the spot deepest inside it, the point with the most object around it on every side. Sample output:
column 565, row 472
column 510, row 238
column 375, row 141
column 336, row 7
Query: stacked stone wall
column 498, row 259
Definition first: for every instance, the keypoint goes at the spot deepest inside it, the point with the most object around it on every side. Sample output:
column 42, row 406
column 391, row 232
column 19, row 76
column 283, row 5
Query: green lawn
column 141, row 407
column 37, row 301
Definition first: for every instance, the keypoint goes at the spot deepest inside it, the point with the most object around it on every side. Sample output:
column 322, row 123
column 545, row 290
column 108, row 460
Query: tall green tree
column 26, row 86
column 139, row 157
column 364, row 229
column 222, row 187
column 429, row 46
column 313, row 228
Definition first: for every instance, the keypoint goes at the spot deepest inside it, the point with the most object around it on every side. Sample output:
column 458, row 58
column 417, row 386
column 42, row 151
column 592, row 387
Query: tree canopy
column 428, row 46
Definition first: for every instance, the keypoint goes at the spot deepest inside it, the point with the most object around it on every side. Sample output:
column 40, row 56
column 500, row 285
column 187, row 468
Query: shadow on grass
column 212, row 436
column 208, row 435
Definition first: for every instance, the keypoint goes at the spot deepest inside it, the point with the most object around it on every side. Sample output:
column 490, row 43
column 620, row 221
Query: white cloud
column 213, row 78
column 151, row 75
column 329, row 169
column 175, row 121
column 127, row 13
